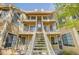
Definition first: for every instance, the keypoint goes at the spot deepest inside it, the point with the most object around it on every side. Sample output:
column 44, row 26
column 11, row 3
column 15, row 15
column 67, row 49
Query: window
column 51, row 28
column 39, row 18
column 23, row 40
column 45, row 17
column 46, row 28
column 67, row 39
column 32, row 28
column 26, row 28
column 28, row 17
column 53, row 40
column 50, row 17
column 39, row 26
column 9, row 41
column 15, row 18
column 33, row 17
column 14, row 40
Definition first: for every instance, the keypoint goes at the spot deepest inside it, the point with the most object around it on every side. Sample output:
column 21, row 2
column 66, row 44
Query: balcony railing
column 49, row 20
column 47, row 29
column 29, row 20
column 48, row 44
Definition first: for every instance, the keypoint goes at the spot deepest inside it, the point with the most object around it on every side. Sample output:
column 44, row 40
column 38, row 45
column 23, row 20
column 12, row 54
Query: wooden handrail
column 48, row 44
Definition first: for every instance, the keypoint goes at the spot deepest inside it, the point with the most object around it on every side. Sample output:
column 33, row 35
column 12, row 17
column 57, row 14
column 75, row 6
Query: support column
column 76, row 36
column 0, row 41
column 21, row 27
column 29, row 28
column 60, row 41
column 35, row 25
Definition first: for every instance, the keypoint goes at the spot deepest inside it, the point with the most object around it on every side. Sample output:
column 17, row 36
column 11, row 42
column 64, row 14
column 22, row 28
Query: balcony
column 53, row 33
column 26, row 33
column 49, row 20
column 31, row 20
column 28, row 30
column 51, row 30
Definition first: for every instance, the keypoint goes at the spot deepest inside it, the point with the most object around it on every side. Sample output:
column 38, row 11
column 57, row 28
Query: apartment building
column 70, row 34
column 8, row 28
column 28, row 32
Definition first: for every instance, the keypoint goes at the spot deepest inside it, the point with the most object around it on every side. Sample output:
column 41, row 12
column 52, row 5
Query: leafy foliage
column 66, row 11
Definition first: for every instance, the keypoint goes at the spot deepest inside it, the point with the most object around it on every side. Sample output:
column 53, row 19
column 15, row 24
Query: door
column 9, row 40
column 39, row 23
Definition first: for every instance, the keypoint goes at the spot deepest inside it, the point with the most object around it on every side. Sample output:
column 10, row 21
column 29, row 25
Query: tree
column 64, row 11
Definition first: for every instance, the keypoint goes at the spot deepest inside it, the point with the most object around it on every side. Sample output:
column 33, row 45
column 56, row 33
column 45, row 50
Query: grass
column 69, row 53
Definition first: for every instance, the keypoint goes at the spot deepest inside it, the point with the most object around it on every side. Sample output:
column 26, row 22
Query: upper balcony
column 49, row 20
column 38, row 16
column 53, row 33
column 50, row 28
column 27, row 21
column 26, row 33
column 27, row 29
column 34, row 20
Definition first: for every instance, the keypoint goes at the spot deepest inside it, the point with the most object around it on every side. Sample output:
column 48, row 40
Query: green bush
column 69, row 53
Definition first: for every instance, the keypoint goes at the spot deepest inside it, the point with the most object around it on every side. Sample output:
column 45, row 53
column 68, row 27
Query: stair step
column 40, row 46
column 39, row 49
column 39, row 41
column 39, row 38
column 40, row 52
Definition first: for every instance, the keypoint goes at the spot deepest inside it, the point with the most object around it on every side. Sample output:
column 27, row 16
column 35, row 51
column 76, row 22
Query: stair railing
column 48, row 44
column 31, row 44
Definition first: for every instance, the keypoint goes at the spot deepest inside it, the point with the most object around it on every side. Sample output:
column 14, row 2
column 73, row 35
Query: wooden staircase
column 39, row 45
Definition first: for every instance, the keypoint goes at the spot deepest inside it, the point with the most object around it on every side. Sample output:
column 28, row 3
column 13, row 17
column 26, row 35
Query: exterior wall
column 1, row 27
column 14, row 29
column 75, row 37
column 55, row 46
column 20, row 29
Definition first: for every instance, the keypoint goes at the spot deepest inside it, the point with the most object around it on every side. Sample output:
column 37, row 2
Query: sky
column 32, row 6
